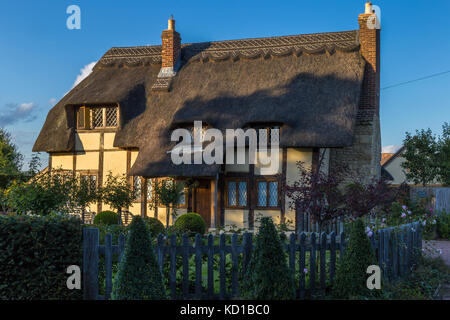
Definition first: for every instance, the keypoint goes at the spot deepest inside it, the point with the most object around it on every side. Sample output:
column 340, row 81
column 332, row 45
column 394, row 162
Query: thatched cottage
column 321, row 90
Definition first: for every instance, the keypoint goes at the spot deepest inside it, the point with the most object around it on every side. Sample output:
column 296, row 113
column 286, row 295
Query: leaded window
column 97, row 117
column 149, row 190
column 137, row 188
column 90, row 179
column 237, row 193
column 267, row 193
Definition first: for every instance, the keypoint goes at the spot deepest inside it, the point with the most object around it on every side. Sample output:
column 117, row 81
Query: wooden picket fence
column 395, row 250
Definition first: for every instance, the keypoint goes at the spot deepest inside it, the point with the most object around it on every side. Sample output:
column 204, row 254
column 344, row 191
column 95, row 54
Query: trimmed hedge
column 268, row 276
column 191, row 223
column 106, row 218
column 155, row 226
column 35, row 252
column 351, row 273
column 139, row 276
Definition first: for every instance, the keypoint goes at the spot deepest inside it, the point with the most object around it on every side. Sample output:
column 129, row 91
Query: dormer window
column 97, row 117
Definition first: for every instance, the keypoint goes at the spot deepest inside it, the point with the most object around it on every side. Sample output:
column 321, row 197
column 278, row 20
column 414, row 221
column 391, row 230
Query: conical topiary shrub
column 139, row 276
column 268, row 276
column 351, row 275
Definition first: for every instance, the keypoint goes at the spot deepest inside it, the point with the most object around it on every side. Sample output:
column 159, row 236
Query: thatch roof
column 311, row 84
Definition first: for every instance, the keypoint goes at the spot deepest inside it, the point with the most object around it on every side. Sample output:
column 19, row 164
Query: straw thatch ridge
column 311, row 84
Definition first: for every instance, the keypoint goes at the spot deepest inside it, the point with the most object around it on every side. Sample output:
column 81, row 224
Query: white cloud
column 391, row 149
column 84, row 72
column 13, row 112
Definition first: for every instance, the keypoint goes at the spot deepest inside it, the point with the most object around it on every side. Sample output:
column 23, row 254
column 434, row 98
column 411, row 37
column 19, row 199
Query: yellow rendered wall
column 87, row 141
column 108, row 140
column 62, row 161
column 87, row 161
column 114, row 162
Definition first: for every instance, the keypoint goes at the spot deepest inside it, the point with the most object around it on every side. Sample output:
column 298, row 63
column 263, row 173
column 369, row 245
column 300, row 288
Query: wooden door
column 202, row 203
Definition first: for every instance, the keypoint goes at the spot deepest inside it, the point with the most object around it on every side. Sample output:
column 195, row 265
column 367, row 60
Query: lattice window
column 137, row 188
column 237, row 193
column 149, row 190
column 97, row 117
column 93, row 117
column 267, row 194
column 262, row 194
column 111, row 117
column 91, row 180
column 273, row 194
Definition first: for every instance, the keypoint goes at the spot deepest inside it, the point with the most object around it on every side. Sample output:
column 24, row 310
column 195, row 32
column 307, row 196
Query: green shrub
column 191, row 223
column 443, row 225
column 34, row 255
column 268, row 276
column 351, row 274
column 106, row 218
column 139, row 276
column 155, row 226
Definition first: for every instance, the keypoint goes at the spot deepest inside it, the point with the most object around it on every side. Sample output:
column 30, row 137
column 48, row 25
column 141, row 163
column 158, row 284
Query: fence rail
column 312, row 258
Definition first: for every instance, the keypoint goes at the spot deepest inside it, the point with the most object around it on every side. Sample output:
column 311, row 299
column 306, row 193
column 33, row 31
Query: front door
column 202, row 200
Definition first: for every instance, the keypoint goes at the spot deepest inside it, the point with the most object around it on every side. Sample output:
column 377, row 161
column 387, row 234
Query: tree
column 10, row 160
column 10, row 164
column 168, row 193
column 361, row 198
column 267, row 276
column 82, row 194
column 117, row 193
column 421, row 155
column 351, row 275
column 317, row 192
column 40, row 195
column 444, row 155
column 139, row 276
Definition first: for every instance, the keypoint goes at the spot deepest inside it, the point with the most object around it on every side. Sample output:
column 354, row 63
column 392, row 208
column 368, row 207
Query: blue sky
column 40, row 59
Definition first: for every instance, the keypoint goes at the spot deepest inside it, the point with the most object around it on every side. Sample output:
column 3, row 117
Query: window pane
column 97, row 120
column 81, row 118
column 232, row 193
column 149, row 189
column 137, row 188
column 182, row 200
column 262, row 194
column 93, row 182
column 273, row 194
column 111, row 117
column 242, row 193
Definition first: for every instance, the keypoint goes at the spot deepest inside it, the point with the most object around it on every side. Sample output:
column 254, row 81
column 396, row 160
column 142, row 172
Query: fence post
column 173, row 265
column 108, row 266
column 234, row 265
column 332, row 256
column 198, row 266
column 323, row 253
column 222, row 274
column 292, row 253
column 302, row 258
column 210, row 266
column 312, row 266
column 90, row 263
column 185, row 248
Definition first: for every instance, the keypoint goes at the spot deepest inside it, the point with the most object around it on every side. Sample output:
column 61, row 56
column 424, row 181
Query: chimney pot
column 171, row 23
column 369, row 7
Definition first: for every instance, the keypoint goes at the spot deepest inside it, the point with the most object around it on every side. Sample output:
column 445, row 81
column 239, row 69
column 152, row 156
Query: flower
column 370, row 234
column 431, row 210
column 305, row 270
column 383, row 220
column 404, row 207
column 409, row 212
column 424, row 222
column 403, row 215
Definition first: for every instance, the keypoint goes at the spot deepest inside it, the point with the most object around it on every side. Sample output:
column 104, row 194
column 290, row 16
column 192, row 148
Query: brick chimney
column 171, row 48
column 369, row 39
